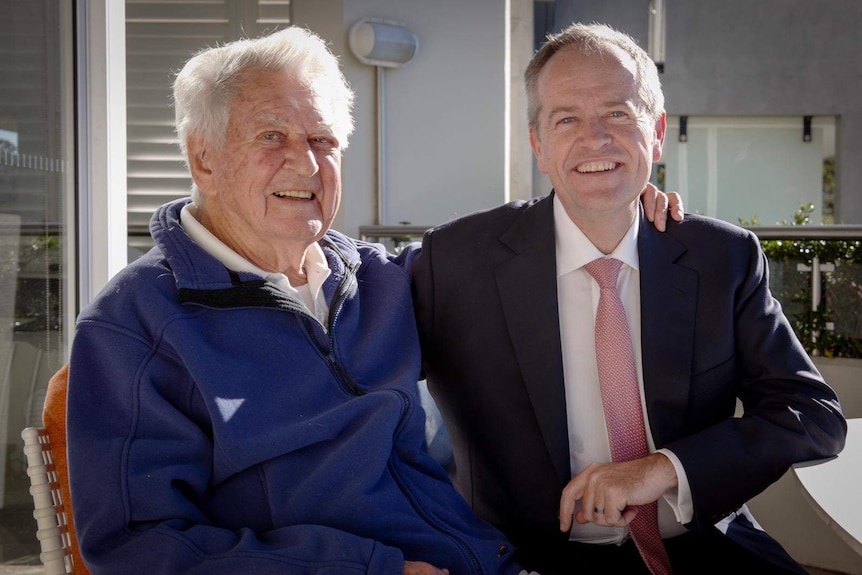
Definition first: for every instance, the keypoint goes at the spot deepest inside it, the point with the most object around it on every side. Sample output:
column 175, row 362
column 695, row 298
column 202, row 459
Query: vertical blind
column 160, row 37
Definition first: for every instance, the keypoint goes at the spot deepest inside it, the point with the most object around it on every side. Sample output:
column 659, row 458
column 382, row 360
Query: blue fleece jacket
column 215, row 427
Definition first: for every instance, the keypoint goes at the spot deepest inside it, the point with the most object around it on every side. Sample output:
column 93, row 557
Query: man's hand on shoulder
column 610, row 493
column 658, row 204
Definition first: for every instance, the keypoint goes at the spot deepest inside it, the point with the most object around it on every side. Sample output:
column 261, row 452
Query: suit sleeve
column 789, row 414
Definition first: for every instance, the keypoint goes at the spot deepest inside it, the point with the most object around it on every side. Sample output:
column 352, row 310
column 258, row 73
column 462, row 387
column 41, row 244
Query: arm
column 745, row 349
column 141, row 461
column 789, row 413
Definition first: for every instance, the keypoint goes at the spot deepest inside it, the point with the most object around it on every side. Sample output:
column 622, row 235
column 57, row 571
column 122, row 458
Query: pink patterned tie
column 622, row 403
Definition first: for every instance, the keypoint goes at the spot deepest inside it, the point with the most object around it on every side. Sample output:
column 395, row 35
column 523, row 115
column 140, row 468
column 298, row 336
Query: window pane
column 745, row 168
column 36, row 191
column 160, row 38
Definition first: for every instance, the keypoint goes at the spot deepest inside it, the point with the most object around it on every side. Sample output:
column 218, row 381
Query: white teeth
column 596, row 167
column 294, row 194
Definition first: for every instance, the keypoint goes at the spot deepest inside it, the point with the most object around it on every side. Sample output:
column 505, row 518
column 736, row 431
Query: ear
column 536, row 145
column 200, row 162
column 660, row 130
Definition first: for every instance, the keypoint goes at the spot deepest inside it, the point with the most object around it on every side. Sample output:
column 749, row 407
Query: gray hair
column 204, row 89
column 590, row 39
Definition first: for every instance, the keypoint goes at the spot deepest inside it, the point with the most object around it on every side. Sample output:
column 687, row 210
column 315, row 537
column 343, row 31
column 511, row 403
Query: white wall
column 446, row 109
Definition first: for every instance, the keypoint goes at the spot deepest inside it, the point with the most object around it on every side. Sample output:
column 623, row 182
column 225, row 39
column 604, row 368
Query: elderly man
column 242, row 399
column 588, row 367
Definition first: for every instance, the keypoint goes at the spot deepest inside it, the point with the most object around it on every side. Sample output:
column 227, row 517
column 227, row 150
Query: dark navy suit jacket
column 485, row 292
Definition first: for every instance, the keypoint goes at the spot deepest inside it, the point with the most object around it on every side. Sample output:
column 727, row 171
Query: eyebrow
column 269, row 119
column 606, row 104
column 275, row 121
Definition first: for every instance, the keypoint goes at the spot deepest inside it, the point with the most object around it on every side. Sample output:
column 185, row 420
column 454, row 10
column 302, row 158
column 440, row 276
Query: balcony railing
column 815, row 272
column 393, row 237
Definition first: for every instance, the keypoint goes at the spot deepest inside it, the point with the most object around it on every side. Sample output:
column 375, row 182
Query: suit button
column 502, row 550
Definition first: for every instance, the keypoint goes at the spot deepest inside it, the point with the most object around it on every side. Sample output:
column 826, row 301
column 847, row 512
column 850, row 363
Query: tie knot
column 605, row 271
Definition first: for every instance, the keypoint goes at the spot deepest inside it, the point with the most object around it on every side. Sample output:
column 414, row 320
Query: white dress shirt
column 578, row 298
column 310, row 295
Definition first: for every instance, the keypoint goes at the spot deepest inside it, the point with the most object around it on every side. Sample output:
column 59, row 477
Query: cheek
column 543, row 160
column 330, row 174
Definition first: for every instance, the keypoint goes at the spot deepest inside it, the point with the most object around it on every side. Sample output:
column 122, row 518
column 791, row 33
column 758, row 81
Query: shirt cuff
column 679, row 499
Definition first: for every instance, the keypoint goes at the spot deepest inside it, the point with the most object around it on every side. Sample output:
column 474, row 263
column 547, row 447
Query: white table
column 834, row 487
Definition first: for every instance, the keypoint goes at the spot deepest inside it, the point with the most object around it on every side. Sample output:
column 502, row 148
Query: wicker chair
column 45, row 449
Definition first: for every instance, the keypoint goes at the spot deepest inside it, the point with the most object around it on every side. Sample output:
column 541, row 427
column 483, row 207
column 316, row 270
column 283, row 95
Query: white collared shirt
column 578, row 292
column 317, row 269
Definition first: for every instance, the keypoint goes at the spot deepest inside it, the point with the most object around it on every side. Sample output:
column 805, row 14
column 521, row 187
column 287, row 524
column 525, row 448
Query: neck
column 287, row 258
column 606, row 230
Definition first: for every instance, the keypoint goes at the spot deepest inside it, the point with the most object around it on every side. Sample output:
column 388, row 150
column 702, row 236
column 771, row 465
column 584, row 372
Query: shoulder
column 708, row 243
column 139, row 289
column 491, row 223
column 694, row 224
column 353, row 252
column 705, row 232
column 367, row 259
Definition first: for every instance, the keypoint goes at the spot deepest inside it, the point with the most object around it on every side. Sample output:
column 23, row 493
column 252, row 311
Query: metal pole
column 815, row 300
column 381, row 147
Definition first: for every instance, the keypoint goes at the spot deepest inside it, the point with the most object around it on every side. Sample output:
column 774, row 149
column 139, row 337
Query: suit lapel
column 527, row 285
column 668, row 311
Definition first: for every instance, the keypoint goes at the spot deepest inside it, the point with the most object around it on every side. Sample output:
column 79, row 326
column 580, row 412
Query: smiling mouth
column 596, row 167
column 295, row 194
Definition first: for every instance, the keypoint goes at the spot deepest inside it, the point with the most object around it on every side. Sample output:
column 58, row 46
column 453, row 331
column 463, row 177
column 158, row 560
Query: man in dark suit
column 507, row 310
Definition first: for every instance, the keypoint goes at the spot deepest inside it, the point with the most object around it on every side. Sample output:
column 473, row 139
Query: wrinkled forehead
column 266, row 91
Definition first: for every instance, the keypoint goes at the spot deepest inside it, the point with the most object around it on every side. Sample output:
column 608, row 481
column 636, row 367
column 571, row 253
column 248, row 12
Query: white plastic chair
column 52, row 524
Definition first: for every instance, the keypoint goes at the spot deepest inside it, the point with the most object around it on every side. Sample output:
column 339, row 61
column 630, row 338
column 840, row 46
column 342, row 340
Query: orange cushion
column 54, row 417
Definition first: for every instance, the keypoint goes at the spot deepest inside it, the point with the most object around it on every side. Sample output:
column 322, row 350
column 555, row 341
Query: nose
column 299, row 158
column 594, row 133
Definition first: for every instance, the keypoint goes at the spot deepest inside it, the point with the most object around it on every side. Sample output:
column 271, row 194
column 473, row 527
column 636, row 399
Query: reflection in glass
column 36, row 191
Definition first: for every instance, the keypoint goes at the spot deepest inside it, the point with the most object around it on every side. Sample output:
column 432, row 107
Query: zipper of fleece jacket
column 347, row 383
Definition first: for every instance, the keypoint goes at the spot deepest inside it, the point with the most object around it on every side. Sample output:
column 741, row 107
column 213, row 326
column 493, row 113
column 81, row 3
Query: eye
column 272, row 137
column 566, row 120
column 323, row 142
column 619, row 114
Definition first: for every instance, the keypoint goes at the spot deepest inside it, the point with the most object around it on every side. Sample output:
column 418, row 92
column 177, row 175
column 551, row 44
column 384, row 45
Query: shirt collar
column 316, row 266
column 575, row 250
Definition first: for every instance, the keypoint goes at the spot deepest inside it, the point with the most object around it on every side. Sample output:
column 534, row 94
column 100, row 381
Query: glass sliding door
column 37, row 272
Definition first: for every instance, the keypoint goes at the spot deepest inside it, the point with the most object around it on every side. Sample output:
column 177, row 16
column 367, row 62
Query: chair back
column 45, row 449
column 52, row 528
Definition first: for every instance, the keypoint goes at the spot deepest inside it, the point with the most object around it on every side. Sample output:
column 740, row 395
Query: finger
column 648, row 197
column 613, row 516
column 628, row 514
column 588, row 503
column 661, row 203
column 601, row 512
column 568, row 500
column 677, row 210
column 581, row 516
column 567, row 513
